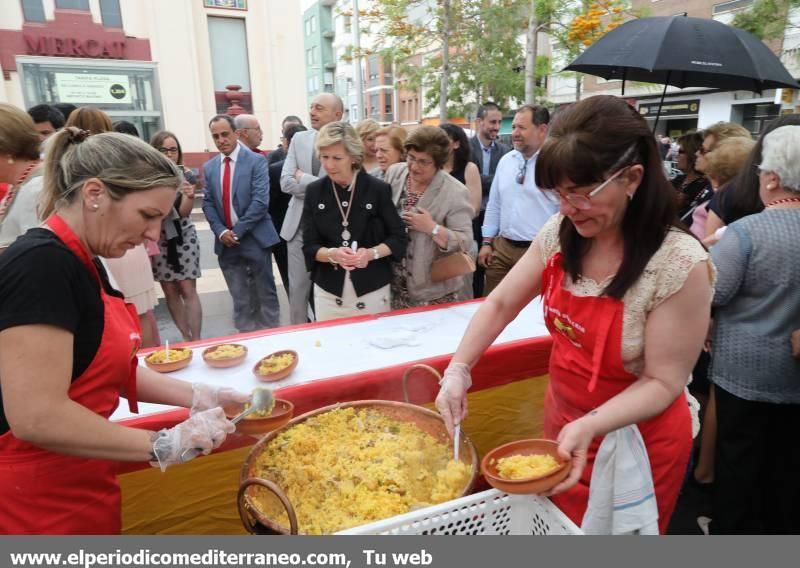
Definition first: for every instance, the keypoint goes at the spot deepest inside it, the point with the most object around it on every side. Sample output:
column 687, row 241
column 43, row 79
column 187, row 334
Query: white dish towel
column 622, row 498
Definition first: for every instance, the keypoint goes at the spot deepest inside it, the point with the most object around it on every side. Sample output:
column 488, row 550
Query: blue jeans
column 252, row 287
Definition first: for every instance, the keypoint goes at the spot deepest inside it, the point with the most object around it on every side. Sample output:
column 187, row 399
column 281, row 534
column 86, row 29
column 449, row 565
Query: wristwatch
column 487, row 242
column 435, row 230
column 375, row 254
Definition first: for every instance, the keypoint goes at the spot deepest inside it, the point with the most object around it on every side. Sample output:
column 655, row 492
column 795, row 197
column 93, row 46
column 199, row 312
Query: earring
column 10, row 161
column 95, row 206
column 630, row 196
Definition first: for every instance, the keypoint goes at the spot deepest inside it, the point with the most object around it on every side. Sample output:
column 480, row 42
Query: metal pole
column 661, row 103
column 357, row 60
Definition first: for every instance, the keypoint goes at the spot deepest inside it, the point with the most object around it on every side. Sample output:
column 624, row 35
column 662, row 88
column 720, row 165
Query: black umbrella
column 684, row 52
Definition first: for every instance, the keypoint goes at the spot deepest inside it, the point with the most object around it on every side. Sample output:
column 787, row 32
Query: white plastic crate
column 490, row 512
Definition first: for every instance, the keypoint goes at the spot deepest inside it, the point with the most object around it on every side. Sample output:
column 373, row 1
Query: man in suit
column 235, row 202
column 248, row 129
column 279, row 153
column 486, row 153
column 300, row 168
column 279, row 202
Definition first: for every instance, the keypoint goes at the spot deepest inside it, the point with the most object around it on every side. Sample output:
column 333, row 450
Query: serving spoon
column 261, row 400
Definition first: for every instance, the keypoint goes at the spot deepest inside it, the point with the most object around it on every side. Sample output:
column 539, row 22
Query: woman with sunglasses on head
column 177, row 266
column 435, row 208
column 627, row 297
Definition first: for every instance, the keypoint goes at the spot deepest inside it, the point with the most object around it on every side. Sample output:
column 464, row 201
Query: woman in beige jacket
column 435, row 208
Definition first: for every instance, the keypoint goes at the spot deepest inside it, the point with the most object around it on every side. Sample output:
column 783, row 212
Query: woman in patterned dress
column 177, row 266
column 435, row 208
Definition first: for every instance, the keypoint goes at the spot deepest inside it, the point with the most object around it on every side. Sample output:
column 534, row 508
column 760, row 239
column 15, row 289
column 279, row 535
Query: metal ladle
column 261, row 400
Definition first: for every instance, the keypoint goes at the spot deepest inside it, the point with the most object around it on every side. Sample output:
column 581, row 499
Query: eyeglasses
column 424, row 162
column 172, row 150
column 521, row 173
column 703, row 150
column 580, row 201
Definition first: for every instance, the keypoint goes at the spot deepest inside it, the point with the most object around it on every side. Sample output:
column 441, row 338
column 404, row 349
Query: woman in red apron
column 58, row 450
column 626, row 296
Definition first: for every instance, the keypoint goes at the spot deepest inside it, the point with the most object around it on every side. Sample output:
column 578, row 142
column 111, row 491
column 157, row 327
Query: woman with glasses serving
column 626, row 294
column 435, row 208
column 177, row 266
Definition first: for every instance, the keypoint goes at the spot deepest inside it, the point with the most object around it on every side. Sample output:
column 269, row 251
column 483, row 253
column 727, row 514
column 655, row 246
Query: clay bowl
column 277, row 375
column 527, row 486
column 170, row 366
column 256, row 425
column 223, row 363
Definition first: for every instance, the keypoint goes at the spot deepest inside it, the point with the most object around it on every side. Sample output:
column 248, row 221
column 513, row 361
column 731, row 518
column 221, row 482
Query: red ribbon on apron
column 586, row 370
column 44, row 492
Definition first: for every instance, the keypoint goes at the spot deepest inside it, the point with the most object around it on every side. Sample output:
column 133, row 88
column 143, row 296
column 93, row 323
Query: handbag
column 453, row 265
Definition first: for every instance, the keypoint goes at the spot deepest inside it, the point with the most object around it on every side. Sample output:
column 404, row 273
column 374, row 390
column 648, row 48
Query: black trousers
column 757, row 469
column 480, row 271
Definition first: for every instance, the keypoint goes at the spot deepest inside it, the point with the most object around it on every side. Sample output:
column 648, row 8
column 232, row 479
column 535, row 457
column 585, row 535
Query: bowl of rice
column 276, row 366
column 261, row 422
column 224, row 355
column 525, row 467
column 169, row 360
column 350, row 464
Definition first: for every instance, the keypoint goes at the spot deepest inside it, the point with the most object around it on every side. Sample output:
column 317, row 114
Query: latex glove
column 206, row 396
column 451, row 402
column 201, row 433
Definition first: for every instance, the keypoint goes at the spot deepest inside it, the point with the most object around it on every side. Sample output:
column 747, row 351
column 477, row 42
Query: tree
column 542, row 14
column 765, row 19
column 469, row 48
column 588, row 23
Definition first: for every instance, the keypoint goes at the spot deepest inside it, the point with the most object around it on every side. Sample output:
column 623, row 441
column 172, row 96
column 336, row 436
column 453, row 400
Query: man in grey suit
column 235, row 202
column 486, row 153
column 300, row 168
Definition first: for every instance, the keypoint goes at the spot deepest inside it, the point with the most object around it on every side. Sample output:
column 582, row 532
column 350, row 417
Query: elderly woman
column 367, row 129
column 177, row 265
column 435, row 208
column 68, row 344
column 755, row 373
column 19, row 158
column 691, row 184
column 389, row 149
column 626, row 294
column 722, row 164
column 351, row 230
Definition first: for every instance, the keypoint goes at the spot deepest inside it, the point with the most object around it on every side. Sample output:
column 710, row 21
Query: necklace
column 784, row 200
column 345, row 211
column 12, row 191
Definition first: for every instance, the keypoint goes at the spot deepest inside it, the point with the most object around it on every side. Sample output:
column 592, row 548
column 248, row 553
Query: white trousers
column 328, row 306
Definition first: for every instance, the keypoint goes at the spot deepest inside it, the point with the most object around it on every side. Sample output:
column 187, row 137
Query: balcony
column 330, row 65
column 327, row 2
column 329, row 34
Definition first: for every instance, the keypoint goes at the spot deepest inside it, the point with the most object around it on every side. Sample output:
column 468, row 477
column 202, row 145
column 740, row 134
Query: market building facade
column 157, row 64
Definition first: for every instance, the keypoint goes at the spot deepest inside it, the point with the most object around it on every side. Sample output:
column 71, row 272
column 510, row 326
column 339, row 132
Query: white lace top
column 664, row 275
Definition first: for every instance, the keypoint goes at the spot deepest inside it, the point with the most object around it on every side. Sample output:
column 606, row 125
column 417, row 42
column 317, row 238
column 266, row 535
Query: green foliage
column 486, row 56
column 765, row 19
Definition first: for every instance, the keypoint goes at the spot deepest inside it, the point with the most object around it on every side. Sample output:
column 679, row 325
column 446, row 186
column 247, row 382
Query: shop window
column 229, row 56
column 111, row 14
column 33, row 11
column 73, row 4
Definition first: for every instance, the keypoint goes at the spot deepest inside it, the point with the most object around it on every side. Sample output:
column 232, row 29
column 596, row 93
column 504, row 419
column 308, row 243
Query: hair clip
column 77, row 135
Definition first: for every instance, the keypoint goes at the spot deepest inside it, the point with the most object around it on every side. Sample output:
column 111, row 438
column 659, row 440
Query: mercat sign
column 74, row 47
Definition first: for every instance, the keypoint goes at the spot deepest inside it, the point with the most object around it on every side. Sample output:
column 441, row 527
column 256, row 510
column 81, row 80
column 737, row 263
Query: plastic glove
column 451, row 402
column 206, row 396
column 201, row 433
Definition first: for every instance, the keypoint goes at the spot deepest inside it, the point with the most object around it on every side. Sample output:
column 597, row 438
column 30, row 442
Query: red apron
column 586, row 370
column 44, row 492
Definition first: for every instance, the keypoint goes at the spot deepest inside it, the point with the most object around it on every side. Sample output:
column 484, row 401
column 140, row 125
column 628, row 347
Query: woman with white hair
column 351, row 230
column 753, row 367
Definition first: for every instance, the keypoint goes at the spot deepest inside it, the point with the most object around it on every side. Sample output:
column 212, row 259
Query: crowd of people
column 648, row 284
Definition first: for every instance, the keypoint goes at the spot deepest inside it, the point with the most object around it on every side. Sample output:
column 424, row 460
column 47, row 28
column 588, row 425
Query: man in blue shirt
column 517, row 209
